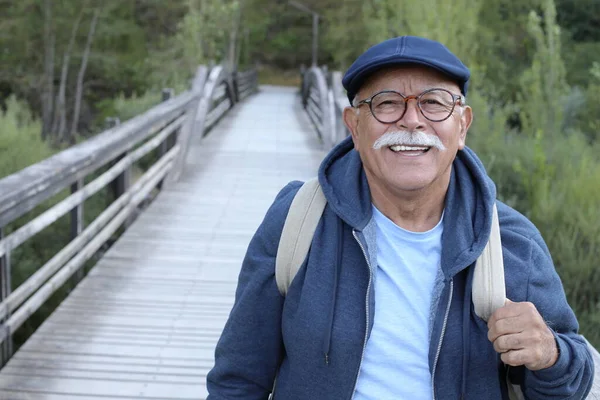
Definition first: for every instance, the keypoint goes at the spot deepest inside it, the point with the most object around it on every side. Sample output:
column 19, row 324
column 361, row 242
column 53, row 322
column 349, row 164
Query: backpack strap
column 298, row 231
column 305, row 212
column 489, row 292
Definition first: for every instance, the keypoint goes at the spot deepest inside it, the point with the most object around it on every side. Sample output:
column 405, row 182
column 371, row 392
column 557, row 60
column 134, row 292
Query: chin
column 411, row 185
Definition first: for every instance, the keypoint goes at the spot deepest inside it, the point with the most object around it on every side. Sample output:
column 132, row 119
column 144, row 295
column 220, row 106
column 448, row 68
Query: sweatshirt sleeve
column 572, row 375
column 250, row 348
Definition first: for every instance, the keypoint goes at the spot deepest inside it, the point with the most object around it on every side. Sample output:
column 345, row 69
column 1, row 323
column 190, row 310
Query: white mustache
column 409, row 139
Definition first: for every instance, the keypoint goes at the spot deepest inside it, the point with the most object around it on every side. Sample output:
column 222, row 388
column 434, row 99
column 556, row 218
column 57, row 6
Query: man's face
column 408, row 170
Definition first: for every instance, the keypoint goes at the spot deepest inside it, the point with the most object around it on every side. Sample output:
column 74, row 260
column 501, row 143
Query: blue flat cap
column 405, row 50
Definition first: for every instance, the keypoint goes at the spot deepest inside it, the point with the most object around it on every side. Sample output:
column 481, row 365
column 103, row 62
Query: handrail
column 324, row 104
column 194, row 112
column 340, row 102
column 24, row 190
column 316, row 101
column 247, row 83
column 219, row 97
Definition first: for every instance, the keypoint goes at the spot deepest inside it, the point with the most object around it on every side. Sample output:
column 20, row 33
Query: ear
column 351, row 121
column 465, row 122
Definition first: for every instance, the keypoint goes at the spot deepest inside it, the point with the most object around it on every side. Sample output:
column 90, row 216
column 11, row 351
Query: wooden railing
column 324, row 99
column 167, row 127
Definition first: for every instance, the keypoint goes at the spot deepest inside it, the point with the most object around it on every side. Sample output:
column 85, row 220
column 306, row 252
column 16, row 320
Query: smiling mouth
column 409, row 150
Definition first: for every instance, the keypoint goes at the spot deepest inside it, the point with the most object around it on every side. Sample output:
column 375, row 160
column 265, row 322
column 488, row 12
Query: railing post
column 122, row 183
column 339, row 100
column 235, row 86
column 77, row 224
column 189, row 126
column 303, row 84
column 5, row 289
column 167, row 93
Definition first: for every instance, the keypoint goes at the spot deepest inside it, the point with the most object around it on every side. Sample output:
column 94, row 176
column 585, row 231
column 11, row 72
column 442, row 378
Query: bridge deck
column 144, row 323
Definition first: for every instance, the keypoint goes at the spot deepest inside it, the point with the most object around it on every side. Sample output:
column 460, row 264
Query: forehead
column 407, row 80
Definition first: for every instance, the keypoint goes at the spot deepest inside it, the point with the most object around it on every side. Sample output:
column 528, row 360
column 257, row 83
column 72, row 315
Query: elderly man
column 381, row 308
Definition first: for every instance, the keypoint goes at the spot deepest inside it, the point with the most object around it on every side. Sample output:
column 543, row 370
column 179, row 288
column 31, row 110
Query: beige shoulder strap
column 298, row 231
column 489, row 292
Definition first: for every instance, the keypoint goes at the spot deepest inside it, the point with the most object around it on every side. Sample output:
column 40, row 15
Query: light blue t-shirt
column 396, row 360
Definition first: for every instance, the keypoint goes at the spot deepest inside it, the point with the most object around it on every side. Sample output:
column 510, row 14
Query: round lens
column 436, row 104
column 387, row 107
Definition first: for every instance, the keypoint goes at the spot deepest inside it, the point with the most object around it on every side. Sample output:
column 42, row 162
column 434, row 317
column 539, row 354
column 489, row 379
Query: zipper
column 439, row 349
column 362, row 356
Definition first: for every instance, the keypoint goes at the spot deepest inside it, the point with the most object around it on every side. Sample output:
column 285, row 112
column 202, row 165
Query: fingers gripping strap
column 489, row 291
column 298, row 231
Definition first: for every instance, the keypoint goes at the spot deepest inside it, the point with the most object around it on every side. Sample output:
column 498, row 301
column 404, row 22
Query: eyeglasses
column 435, row 104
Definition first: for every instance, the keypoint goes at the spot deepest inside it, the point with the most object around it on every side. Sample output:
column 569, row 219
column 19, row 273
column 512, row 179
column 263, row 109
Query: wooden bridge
column 144, row 322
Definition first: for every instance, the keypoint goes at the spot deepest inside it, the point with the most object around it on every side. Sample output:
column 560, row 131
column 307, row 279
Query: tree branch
column 48, row 93
column 60, row 117
column 80, row 76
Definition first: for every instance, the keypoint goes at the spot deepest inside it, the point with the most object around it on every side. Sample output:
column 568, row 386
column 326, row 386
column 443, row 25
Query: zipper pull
column 326, row 359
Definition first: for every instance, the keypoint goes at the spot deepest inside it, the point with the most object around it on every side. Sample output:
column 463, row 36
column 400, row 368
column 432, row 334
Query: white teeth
column 399, row 147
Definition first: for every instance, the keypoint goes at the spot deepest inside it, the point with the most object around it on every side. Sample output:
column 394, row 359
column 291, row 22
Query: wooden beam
column 77, row 220
column 186, row 132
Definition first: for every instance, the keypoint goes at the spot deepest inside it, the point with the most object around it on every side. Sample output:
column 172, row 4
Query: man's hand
column 521, row 336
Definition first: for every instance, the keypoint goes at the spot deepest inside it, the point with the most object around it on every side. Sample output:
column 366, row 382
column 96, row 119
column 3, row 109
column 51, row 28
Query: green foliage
column 581, row 18
column 20, row 142
column 543, row 85
column 201, row 37
column 588, row 118
column 434, row 19
column 553, row 182
column 125, row 108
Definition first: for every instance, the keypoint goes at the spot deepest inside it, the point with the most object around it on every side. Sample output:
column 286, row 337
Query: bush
column 553, row 180
column 125, row 108
column 20, row 138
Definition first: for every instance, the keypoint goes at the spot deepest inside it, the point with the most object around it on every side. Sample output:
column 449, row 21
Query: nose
column 412, row 118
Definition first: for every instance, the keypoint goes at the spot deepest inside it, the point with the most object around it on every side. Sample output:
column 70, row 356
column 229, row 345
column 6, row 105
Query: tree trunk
column 84, row 61
column 48, row 91
column 60, row 113
column 233, row 36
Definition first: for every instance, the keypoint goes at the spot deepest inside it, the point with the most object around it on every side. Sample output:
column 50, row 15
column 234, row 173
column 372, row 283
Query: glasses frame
column 457, row 98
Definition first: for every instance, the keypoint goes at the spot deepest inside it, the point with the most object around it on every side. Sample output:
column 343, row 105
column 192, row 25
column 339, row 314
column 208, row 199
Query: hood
column 468, row 208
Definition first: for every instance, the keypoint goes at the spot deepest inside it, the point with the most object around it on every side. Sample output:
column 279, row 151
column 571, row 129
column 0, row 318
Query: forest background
column 68, row 65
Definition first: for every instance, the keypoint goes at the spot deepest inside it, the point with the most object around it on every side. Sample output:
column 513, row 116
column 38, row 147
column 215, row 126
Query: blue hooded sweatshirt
column 313, row 339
